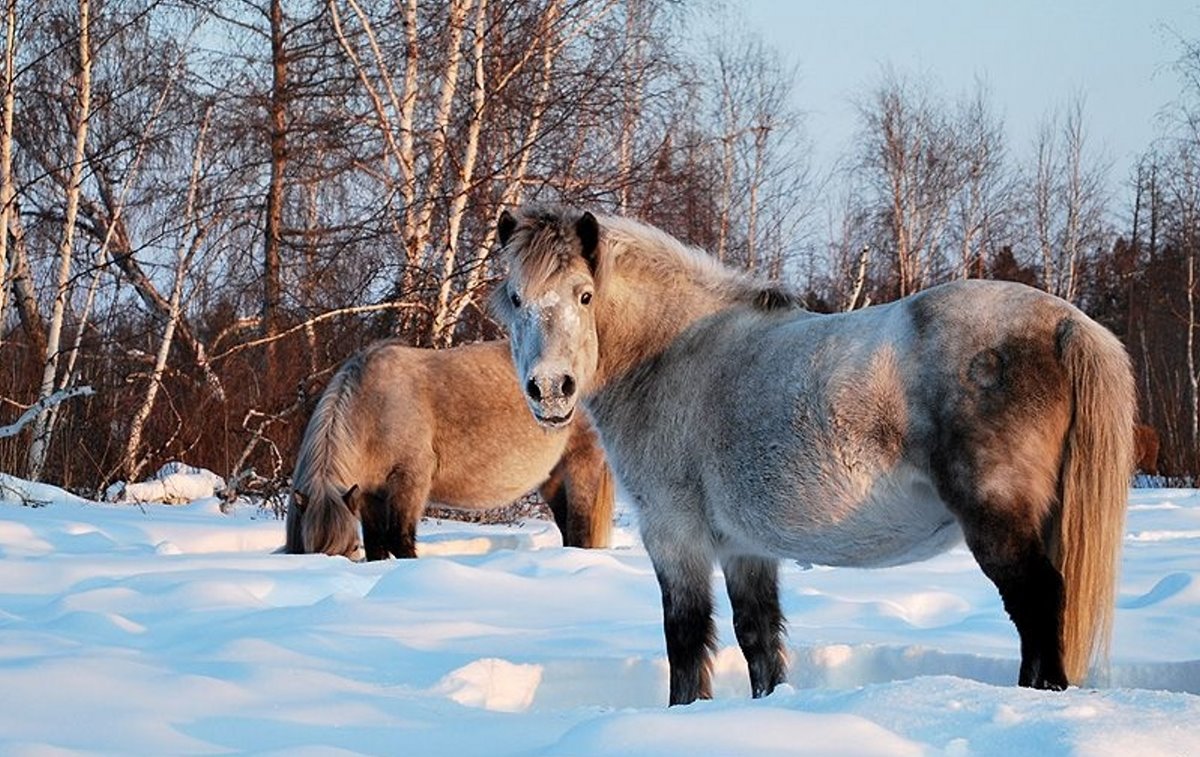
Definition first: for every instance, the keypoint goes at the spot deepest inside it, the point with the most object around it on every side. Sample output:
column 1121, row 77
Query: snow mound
column 492, row 684
column 174, row 484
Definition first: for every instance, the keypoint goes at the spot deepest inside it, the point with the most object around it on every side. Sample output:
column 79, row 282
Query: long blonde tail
column 1097, row 465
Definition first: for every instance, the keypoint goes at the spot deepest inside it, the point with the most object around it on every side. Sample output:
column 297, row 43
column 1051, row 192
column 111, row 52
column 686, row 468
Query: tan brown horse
column 400, row 426
column 1145, row 443
column 747, row 430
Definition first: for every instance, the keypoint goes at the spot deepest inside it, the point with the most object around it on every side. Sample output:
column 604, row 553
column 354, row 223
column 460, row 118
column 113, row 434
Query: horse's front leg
column 375, row 515
column 753, row 586
column 684, row 573
column 407, row 493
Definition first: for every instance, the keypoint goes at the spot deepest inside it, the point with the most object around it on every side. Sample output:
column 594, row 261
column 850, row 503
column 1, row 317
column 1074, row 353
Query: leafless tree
column 43, row 426
column 910, row 154
column 190, row 239
column 1067, row 186
column 764, row 178
column 7, row 193
column 984, row 204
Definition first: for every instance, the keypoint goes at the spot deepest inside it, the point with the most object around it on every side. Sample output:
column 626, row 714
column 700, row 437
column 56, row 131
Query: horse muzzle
column 551, row 398
column 554, row 419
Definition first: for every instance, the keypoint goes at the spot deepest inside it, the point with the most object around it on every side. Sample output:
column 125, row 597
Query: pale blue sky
column 1033, row 54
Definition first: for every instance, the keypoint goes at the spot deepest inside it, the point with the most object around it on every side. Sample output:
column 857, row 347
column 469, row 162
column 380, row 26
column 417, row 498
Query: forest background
column 210, row 204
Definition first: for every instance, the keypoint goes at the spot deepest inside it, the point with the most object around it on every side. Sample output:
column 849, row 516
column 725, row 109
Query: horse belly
column 496, row 475
column 898, row 519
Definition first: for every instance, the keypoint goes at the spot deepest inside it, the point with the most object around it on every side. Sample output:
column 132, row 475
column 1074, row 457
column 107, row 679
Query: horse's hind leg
column 753, row 586
column 579, row 493
column 1012, row 554
column 554, row 492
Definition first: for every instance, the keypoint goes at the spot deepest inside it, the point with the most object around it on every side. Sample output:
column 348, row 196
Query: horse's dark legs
column 407, row 494
column 1014, row 558
column 554, row 492
column 685, row 580
column 389, row 517
column 575, row 489
column 375, row 517
column 753, row 586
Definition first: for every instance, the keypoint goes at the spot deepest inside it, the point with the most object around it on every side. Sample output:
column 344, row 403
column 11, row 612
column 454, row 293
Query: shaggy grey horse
column 398, row 426
column 748, row 430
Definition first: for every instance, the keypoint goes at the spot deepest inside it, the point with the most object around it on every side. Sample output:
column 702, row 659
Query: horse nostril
column 568, row 385
column 531, row 388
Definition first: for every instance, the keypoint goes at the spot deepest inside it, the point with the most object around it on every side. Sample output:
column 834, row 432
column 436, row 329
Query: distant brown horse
column 400, row 426
column 747, row 430
column 1145, row 445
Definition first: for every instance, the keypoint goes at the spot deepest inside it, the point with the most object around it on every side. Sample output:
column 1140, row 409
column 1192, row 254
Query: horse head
column 548, row 303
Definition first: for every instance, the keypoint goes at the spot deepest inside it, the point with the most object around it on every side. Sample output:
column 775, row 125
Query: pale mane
column 632, row 244
column 544, row 242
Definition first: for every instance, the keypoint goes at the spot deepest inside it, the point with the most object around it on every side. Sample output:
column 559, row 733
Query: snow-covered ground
column 174, row 629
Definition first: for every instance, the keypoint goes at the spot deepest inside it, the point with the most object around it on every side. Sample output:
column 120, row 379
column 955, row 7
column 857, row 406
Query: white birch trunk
column 131, row 464
column 1043, row 192
column 631, row 110
column 400, row 139
column 6, row 138
column 438, row 140
column 443, row 327
column 515, row 187
column 1193, row 375
column 1074, row 199
column 760, row 146
column 40, row 446
column 726, row 193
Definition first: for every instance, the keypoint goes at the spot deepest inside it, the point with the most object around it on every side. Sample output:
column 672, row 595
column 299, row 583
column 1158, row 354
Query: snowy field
column 162, row 629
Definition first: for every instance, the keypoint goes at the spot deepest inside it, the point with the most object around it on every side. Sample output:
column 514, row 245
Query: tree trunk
column 515, row 187
column 24, row 296
column 631, row 104
column 273, row 241
column 132, row 463
column 443, row 328
column 6, row 139
column 437, row 148
column 1193, row 375
column 39, row 447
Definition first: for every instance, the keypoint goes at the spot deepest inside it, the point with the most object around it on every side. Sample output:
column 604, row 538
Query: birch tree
column 910, row 156
column 1068, row 200
column 441, row 326
column 6, row 142
column 190, row 238
column 984, row 203
column 43, row 428
column 763, row 178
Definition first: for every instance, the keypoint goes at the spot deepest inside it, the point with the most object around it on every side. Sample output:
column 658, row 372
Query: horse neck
column 644, row 314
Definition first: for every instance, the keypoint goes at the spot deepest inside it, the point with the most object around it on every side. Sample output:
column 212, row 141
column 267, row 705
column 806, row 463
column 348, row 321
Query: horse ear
column 588, row 229
column 348, row 497
column 775, row 298
column 505, row 227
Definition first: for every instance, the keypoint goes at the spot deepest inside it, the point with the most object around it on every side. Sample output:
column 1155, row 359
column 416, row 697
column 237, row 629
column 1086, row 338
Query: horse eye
column 516, row 299
column 585, row 298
